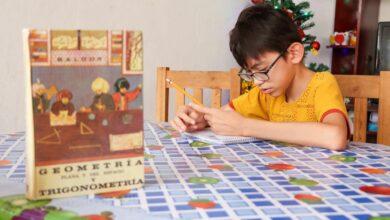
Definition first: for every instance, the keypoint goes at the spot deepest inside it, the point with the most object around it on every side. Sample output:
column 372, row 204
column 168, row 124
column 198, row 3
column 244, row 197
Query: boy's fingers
column 180, row 124
column 201, row 109
column 193, row 128
column 197, row 126
column 197, row 116
column 194, row 114
column 174, row 125
column 183, row 116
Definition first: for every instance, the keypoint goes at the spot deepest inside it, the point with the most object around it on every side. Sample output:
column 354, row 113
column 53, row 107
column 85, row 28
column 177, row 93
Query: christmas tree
column 301, row 15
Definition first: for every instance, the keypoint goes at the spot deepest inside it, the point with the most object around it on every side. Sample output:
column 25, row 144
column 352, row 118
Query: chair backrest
column 362, row 87
column 197, row 81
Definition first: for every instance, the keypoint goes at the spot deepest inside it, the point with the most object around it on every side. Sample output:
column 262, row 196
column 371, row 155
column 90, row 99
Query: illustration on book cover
column 87, row 113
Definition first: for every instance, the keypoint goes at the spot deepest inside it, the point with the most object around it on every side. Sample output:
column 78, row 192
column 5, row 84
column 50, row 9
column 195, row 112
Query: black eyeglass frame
column 259, row 75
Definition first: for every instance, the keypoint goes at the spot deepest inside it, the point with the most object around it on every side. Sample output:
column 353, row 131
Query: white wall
column 384, row 10
column 182, row 34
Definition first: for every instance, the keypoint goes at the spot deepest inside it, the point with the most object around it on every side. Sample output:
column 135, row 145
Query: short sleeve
column 328, row 98
column 252, row 104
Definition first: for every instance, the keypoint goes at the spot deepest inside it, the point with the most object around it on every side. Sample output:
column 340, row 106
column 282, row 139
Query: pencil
column 178, row 88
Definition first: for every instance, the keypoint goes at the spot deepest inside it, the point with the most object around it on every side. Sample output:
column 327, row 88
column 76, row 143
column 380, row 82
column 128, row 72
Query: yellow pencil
column 178, row 88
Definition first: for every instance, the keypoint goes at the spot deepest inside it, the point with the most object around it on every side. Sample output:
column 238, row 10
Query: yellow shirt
column 321, row 97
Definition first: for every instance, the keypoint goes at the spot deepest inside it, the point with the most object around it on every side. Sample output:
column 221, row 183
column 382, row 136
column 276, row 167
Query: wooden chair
column 196, row 80
column 362, row 87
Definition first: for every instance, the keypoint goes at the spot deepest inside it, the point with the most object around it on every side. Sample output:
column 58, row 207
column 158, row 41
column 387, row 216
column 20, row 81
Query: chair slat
column 198, row 94
column 360, row 121
column 179, row 100
column 235, row 81
column 162, row 101
column 216, row 98
column 384, row 109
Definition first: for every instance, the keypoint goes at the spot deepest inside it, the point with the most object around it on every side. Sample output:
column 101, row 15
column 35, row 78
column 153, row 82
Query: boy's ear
column 296, row 52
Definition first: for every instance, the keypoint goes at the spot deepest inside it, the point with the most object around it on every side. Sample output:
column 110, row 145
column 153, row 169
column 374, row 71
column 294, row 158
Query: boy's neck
column 301, row 79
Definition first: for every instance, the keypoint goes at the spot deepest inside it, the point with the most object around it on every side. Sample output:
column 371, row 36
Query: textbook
column 84, row 112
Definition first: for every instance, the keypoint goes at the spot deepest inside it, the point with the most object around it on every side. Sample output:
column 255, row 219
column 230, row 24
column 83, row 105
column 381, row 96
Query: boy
column 289, row 103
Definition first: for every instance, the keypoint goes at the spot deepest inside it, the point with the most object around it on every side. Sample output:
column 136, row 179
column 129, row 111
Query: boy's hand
column 188, row 119
column 222, row 122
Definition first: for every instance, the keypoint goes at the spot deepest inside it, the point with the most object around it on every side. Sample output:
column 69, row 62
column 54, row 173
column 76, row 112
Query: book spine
column 30, row 147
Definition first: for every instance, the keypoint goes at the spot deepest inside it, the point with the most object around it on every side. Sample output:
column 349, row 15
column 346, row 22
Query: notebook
column 209, row 136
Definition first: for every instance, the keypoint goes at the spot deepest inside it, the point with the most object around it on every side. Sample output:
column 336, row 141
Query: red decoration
column 308, row 198
column 339, row 38
column 203, row 204
column 280, row 166
column 220, row 167
column 115, row 194
column 5, row 162
column 373, row 170
column 381, row 190
column 289, row 13
column 301, row 33
column 315, row 45
column 257, row 1
column 273, row 154
column 94, row 217
column 148, row 170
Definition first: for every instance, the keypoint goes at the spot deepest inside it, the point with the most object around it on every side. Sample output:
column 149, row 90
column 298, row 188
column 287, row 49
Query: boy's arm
column 331, row 133
column 227, row 108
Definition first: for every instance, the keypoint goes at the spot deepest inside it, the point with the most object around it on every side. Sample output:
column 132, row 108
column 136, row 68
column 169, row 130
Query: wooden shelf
column 360, row 16
column 341, row 47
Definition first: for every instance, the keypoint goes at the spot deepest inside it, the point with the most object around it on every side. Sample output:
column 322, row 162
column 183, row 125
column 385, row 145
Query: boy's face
column 280, row 75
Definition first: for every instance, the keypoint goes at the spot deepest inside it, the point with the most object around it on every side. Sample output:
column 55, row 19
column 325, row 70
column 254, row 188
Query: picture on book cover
column 86, row 91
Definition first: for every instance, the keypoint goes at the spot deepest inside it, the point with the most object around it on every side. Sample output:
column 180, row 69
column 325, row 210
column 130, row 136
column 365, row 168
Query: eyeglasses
column 258, row 75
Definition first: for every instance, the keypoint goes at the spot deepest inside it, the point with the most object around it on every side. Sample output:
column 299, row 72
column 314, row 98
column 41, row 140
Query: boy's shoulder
column 325, row 78
column 326, row 84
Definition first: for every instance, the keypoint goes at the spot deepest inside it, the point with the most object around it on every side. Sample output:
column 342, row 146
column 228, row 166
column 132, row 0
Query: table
column 190, row 179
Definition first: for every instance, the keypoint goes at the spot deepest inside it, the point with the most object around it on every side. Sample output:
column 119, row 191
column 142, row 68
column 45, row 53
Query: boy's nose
column 258, row 82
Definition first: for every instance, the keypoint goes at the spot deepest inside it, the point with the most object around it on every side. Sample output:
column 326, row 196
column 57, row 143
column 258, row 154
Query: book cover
column 84, row 112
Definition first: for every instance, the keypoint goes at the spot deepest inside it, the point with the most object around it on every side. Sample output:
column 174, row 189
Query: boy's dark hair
column 261, row 28
column 121, row 83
